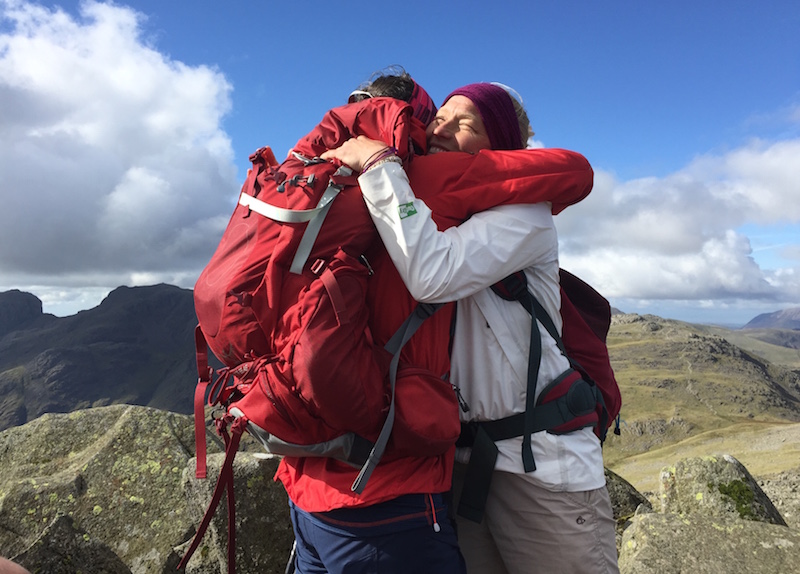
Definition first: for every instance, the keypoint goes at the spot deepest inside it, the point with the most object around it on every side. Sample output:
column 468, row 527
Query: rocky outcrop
column 112, row 490
column 675, row 544
column 715, row 487
column 114, row 471
column 714, row 518
column 18, row 310
column 63, row 548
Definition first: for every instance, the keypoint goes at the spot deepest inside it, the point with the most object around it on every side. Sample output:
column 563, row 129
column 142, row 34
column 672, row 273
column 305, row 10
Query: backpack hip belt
column 569, row 410
column 566, row 405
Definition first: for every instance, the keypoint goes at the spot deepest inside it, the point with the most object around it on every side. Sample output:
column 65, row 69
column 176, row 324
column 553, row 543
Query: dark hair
column 391, row 82
column 395, row 82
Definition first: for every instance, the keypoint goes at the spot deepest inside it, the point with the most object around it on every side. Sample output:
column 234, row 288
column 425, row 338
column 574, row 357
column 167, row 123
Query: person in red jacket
column 399, row 523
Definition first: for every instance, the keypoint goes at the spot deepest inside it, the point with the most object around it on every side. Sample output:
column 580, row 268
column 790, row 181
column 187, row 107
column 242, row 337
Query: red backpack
column 282, row 303
column 586, row 317
column 588, row 394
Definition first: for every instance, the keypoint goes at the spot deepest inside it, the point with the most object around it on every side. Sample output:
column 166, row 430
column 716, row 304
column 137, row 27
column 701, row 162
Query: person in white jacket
column 558, row 517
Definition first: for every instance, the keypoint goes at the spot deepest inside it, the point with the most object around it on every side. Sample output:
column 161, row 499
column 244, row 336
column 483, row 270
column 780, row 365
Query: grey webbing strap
column 315, row 216
column 421, row 312
column 278, row 213
column 313, row 227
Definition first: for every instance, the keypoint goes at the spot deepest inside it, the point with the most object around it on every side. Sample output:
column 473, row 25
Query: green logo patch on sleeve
column 406, row 210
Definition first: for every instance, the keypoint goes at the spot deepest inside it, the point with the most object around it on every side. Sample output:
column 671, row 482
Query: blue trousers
column 409, row 534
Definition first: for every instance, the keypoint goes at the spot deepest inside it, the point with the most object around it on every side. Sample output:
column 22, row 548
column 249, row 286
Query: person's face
column 457, row 127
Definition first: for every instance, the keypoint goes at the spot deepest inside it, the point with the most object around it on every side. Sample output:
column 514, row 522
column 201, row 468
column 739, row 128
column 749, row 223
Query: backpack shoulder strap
column 482, row 435
column 484, row 451
column 418, row 316
column 515, row 288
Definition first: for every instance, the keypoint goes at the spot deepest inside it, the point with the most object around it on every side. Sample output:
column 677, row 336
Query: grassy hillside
column 778, row 346
column 689, row 391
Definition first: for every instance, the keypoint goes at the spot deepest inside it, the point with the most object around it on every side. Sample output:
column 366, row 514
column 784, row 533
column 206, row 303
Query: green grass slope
column 689, row 391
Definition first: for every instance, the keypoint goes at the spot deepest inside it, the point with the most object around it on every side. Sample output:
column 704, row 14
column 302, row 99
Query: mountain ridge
column 136, row 347
column 784, row 319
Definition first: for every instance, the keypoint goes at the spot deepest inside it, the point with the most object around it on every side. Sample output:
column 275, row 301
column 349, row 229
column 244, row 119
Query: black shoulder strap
column 515, row 288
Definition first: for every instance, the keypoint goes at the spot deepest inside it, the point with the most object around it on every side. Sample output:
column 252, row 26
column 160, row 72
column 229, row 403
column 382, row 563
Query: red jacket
column 455, row 186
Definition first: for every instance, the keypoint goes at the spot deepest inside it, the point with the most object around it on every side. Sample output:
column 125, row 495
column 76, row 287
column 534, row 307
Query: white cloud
column 115, row 167
column 791, row 252
column 681, row 236
column 115, row 170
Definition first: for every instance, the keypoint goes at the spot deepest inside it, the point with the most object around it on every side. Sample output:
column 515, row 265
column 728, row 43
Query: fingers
column 355, row 152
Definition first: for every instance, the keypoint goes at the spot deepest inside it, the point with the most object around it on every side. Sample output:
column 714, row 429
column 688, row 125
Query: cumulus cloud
column 115, row 167
column 683, row 236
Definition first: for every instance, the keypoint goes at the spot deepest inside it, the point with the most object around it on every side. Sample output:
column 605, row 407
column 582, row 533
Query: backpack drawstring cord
column 436, row 527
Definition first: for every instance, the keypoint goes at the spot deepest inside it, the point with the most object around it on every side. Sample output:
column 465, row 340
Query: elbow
column 425, row 294
column 430, row 289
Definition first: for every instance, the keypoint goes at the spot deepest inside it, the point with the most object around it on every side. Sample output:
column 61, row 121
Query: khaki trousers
column 527, row 529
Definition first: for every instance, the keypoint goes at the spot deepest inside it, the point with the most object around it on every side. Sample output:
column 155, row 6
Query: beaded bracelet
column 383, row 160
column 380, row 155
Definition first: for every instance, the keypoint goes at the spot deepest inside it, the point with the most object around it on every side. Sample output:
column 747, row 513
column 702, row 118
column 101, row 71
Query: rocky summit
column 113, row 490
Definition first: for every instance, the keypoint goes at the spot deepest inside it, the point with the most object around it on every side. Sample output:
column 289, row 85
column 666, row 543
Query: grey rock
column 116, row 471
column 624, row 497
column 64, row 549
column 625, row 501
column 112, row 489
column 715, row 486
column 674, row 544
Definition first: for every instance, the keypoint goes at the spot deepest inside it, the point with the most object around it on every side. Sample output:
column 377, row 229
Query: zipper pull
column 461, row 401
column 365, row 261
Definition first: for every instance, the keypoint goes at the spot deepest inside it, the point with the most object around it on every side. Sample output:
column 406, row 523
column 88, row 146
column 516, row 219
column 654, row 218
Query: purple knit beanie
column 497, row 112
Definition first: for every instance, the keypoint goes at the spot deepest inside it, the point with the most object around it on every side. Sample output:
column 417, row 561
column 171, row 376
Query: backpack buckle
column 318, row 266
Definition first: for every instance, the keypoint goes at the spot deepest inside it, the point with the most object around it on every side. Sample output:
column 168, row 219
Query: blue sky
column 127, row 127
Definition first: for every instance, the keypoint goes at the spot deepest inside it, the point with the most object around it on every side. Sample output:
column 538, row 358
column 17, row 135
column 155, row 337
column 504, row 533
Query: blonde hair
column 525, row 129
